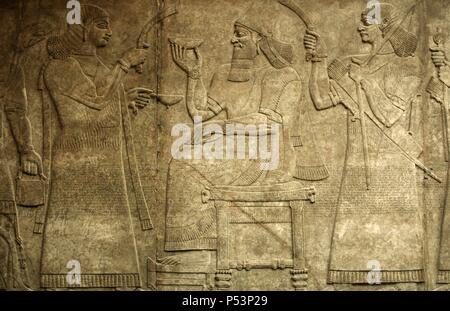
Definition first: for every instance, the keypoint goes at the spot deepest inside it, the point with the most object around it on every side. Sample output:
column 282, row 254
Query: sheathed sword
column 362, row 119
column 439, row 40
column 412, row 159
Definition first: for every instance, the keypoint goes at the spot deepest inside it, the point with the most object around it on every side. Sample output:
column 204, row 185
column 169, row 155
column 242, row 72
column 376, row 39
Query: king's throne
column 258, row 227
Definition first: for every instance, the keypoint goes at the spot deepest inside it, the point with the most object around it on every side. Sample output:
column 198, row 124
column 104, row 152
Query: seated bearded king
column 260, row 88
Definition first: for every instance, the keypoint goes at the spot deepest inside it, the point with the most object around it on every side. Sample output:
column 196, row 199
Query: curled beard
column 241, row 68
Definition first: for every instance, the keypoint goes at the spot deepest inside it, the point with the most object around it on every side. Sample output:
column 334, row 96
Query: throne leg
column 299, row 274
column 299, row 279
column 223, row 279
column 223, row 272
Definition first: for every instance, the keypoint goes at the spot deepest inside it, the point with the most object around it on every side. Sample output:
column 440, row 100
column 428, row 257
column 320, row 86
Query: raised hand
column 314, row 46
column 191, row 65
column 440, row 61
column 438, row 57
column 135, row 57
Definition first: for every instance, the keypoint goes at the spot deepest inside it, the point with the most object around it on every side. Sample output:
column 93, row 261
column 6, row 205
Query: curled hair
column 68, row 43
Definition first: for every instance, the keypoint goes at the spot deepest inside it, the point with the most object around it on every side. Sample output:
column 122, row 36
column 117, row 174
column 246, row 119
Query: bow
column 162, row 14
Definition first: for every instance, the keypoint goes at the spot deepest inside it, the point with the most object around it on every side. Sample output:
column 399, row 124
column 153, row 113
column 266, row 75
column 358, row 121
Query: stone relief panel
column 217, row 145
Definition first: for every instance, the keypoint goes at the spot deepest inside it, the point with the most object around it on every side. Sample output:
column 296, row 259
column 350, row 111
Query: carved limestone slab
column 224, row 145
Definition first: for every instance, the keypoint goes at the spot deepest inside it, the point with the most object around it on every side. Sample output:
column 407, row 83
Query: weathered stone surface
column 204, row 145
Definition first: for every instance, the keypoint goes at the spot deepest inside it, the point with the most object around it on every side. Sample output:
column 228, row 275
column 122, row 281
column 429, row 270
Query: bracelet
column 124, row 65
column 27, row 149
column 194, row 74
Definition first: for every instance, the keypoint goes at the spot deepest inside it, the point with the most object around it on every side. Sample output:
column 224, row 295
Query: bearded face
column 245, row 50
column 244, row 43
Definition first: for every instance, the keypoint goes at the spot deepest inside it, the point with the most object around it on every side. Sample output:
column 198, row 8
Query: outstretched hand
column 139, row 98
